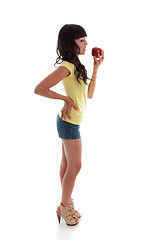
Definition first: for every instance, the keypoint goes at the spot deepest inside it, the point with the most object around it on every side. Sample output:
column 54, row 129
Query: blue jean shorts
column 67, row 130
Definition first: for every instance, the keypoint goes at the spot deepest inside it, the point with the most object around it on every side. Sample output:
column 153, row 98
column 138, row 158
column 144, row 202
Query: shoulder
column 68, row 65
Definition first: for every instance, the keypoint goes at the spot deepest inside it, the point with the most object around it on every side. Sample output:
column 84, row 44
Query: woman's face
column 81, row 42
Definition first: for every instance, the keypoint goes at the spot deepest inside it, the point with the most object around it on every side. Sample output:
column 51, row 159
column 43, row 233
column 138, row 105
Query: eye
column 82, row 40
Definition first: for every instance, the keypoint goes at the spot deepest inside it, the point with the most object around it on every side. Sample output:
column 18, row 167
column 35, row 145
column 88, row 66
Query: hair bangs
column 79, row 32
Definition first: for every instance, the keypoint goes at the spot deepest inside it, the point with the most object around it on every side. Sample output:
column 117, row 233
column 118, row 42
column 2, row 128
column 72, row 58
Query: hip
column 67, row 130
column 76, row 117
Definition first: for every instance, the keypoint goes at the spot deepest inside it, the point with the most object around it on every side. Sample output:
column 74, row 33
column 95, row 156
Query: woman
column 71, row 43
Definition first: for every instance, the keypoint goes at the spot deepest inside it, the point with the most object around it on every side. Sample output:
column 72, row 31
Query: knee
column 75, row 168
column 78, row 167
column 64, row 164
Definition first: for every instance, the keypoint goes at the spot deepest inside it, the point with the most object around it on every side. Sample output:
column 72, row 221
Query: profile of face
column 82, row 43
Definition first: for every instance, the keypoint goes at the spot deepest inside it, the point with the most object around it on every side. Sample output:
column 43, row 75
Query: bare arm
column 92, row 85
column 43, row 88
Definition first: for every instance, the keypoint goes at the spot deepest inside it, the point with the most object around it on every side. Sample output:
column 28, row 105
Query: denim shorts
column 67, row 130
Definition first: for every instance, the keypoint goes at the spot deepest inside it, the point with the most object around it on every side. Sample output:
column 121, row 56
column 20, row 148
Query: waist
column 76, row 116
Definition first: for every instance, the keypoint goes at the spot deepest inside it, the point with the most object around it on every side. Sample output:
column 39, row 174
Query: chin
column 82, row 53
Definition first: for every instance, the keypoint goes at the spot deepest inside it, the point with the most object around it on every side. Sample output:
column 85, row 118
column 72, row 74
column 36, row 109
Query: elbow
column 36, row 90
column 40, row 91
column 90, row 97
column 89, row 94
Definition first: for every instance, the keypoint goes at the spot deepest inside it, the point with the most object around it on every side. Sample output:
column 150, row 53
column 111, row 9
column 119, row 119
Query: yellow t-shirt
column 77, row 92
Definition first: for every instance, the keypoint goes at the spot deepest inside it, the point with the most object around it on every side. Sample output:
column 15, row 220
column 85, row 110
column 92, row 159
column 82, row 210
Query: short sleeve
column 68, row 65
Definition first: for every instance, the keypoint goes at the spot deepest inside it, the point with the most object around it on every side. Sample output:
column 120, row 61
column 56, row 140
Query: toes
column 76, row 219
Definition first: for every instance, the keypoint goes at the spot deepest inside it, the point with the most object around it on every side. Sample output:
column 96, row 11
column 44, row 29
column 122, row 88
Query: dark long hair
column 68, row 50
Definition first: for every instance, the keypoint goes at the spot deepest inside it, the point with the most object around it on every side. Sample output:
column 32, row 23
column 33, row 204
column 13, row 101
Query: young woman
column 71, row 43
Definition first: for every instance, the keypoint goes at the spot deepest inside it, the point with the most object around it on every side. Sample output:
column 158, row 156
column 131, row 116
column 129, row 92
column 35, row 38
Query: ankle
column 64, row 204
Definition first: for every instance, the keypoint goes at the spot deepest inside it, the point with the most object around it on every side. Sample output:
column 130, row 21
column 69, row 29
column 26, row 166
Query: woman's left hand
column 98, row 61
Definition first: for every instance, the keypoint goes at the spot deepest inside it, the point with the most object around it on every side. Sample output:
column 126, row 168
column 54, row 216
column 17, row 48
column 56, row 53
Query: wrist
column 65, row 98
column 94, row 76
column 95, row 69
column 93, row 79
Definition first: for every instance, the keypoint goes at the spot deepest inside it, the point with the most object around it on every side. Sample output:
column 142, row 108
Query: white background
column 117, row 187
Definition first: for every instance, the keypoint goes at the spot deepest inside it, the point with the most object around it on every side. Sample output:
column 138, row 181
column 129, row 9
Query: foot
column 76, row 213
column 74, row 216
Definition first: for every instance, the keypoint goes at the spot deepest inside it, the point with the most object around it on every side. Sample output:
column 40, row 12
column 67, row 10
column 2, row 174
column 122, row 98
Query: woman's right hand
column 67, row 108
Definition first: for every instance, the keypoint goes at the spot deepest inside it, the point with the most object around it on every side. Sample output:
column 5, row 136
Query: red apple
column 96, row 51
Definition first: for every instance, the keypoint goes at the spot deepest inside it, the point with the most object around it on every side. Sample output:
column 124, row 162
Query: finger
column 102, row 55
column 95, row 60
column 100, row 59
column 71, row 104
column 74, row 106
column 99, row 56
column 64, row 114
column 61, row 113
column 68, row 113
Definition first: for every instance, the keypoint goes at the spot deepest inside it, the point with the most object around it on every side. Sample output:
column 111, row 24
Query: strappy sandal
column 75, row 212
column 67, row 214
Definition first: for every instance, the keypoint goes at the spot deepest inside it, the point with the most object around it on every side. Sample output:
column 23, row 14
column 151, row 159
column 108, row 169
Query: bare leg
column 73, row 150
column 63, row 165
